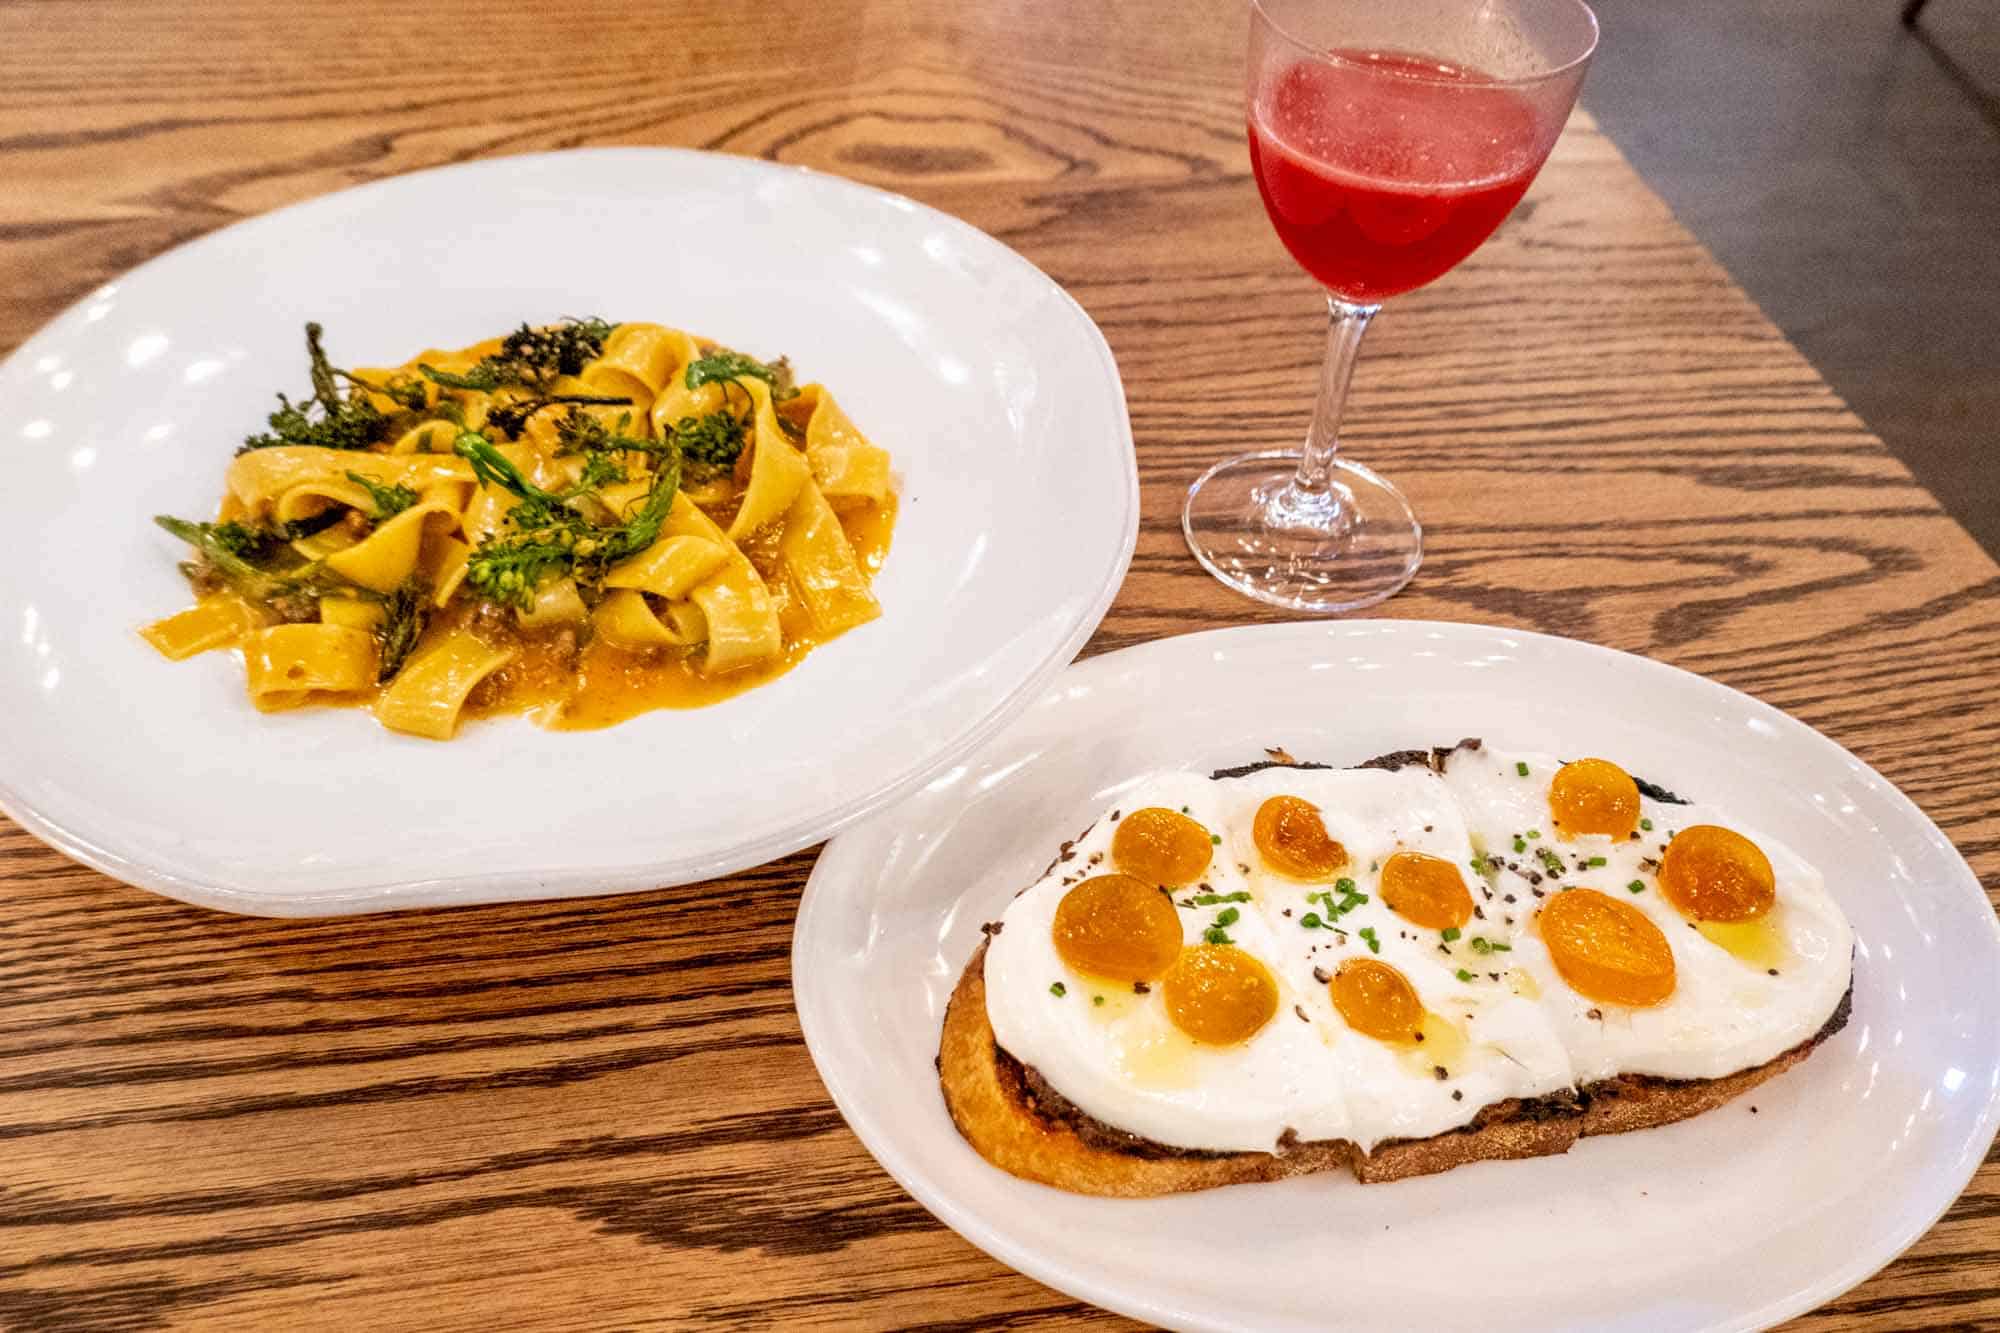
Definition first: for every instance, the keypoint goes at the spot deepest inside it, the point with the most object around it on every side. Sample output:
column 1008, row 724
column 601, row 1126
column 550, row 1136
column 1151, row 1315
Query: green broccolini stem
column 388, row 499
column 556, row 540
column 404, row 616
column 216, row 543
column 716, row 438
column 407, row 394
column 326, row 386
column 482, row 378
column 531, row 357
column 216, row 550
column 719, row 366
column 492, row 468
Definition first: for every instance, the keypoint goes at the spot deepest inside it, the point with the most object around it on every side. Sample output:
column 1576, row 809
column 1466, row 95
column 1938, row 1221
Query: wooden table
column 600, row 1112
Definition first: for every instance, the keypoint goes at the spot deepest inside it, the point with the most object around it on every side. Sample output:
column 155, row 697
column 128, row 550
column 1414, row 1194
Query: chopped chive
column 1637, row 886
column 1211, row 899
column 1097, row 999
column 1215, row 839
column 1344, row 884
column 1534, row 833
column 1449, row 933
column 1594, row 862
column 1646, row 824
column 1368, row 933
column 1310, row 921
column 1228, row 916
column 1521, row 768
column 1217, row 935
column 1464, row 975
column 1057, row 989
column 1520, row 844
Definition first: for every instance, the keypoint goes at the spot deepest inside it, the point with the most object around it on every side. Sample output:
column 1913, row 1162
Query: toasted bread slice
column 1026, row 1128
column 1021, row 1128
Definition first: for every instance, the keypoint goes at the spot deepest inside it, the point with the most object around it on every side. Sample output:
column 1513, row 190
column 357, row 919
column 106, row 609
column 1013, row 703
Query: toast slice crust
column 1021, row 1130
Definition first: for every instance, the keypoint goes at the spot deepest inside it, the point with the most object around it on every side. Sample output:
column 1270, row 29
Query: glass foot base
column 1335, row 550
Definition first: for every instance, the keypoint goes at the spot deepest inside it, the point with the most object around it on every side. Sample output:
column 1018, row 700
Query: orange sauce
column 567, row 682
column 580, row 689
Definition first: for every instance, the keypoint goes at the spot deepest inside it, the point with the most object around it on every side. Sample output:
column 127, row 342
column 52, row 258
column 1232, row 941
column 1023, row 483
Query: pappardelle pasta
column 581, row 522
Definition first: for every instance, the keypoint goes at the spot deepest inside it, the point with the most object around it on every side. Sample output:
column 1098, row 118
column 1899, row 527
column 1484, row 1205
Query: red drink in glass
column 1380, row 168
column 1378, row 185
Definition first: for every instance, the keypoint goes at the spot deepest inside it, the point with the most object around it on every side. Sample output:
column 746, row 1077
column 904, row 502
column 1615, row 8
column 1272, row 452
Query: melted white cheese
column 1121, row 1060
column 1727, row 1012
column 1508, row 1026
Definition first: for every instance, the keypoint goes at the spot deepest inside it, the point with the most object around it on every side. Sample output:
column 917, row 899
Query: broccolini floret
column 714, row 439
column 719, row 367
column 599, row 471
column 490, row 467
column 225, row 557
column 404, row 615
column 388, row 498
column 581, row 433
column 333, row 419
column 551, row 538
column 328, row 419
column 530, row 358
column 241, row 539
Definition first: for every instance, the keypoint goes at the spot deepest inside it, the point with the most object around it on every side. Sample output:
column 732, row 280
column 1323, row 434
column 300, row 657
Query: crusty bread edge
column 995, row 1112
column 992, row 1110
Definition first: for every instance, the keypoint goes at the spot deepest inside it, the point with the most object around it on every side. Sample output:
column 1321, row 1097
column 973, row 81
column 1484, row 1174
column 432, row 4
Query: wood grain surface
column 601, row 1113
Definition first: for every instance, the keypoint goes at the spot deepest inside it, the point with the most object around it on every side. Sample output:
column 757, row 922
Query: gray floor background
column 1846, row 171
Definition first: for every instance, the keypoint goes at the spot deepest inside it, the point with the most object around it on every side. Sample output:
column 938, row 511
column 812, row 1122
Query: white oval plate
column 1727, row 1221
column 991, row 388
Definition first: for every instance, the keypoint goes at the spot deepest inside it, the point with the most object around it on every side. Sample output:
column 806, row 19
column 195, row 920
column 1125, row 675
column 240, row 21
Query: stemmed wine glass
column 1389, row 138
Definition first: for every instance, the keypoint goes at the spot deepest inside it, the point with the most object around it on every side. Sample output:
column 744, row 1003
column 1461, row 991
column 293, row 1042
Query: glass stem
column 1345, row 325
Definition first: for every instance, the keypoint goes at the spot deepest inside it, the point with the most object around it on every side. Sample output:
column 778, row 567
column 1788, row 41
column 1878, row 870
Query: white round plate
column 1727, row 1221
column 993, row 391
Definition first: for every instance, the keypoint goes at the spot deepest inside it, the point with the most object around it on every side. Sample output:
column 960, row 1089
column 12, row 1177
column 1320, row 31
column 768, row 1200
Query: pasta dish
column 581, row 522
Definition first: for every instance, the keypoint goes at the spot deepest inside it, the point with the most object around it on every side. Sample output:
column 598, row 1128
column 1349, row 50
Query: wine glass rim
column 1327, row 57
